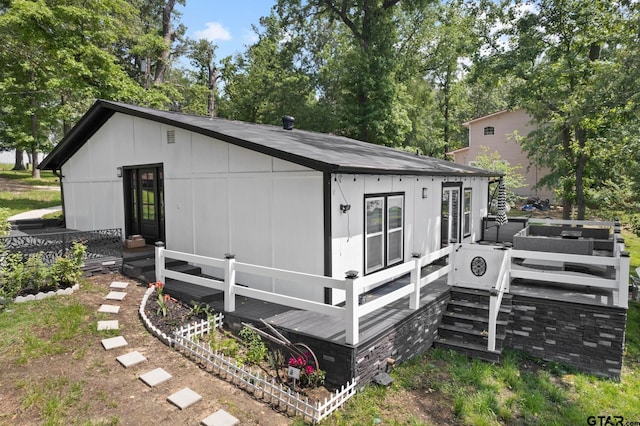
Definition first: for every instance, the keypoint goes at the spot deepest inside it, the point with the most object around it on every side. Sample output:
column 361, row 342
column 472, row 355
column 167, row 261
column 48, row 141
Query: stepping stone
column 108, row 325
column 116, row 295
column 131, row 359
column 184, row 398
column 114, row 342
column 109, row 309
column 155, row 377
column 119, row 284
column 220, row 418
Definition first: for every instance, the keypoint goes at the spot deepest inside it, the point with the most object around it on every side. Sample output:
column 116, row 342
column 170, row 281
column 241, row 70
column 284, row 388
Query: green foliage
column 12, row 275
column 256, row 348
column 30, row 200
column 494, row 162
column 18, row 273
column 67, row 269
column 5, row 227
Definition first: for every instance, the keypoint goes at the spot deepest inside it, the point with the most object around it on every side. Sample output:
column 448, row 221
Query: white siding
column 219, row 198
column 421, row 215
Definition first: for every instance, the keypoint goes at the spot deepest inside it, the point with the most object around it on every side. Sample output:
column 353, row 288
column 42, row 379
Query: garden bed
column 243, row 360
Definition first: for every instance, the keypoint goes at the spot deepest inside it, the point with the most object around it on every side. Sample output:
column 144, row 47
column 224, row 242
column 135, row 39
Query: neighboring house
column 496, row 132
column 290, row 199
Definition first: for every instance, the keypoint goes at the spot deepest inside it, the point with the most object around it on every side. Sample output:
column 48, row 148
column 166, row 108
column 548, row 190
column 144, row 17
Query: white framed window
column 489, row 130
column 466, row 212
column 384, row 231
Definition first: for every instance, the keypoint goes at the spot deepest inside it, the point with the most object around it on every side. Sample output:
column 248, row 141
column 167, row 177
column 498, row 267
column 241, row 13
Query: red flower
column 166, row 297
column 309, row 370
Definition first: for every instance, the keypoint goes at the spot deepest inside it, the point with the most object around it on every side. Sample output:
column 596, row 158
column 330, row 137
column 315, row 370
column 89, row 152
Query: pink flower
column 309, row 370
column 292, row 362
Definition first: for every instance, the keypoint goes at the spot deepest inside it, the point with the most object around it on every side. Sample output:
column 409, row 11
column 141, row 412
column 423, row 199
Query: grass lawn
column 47, row 178
column 28, row 200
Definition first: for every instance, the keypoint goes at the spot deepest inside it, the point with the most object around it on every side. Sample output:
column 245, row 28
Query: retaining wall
column 588, row 337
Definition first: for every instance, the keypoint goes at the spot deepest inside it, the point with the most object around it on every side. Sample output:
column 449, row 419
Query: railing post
column 160, row 261
column 450, row 275
column 493, row 316
column 623, row 280
column 414, row 299
column 352, row 330
column 229, row 282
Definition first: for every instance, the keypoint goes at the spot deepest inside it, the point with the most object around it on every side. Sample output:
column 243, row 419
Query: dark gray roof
column 319, row 151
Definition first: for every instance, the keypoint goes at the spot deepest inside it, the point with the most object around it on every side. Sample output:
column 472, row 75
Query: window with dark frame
column 384, row 231
column 466, row 212
column 489, row 130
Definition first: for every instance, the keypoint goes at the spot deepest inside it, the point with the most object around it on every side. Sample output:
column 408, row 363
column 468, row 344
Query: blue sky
column 226, row 23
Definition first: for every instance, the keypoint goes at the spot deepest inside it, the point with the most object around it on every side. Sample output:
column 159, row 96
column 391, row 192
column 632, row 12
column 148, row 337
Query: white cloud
column 214, row 31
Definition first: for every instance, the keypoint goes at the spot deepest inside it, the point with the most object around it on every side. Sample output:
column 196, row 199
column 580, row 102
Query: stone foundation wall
column 411, row 337
column 590, row 338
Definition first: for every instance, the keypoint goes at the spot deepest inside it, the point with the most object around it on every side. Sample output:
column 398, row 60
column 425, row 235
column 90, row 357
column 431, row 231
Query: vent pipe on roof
column 287, row 122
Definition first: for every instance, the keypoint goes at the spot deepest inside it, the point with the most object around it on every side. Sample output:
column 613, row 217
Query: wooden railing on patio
column 352, row 285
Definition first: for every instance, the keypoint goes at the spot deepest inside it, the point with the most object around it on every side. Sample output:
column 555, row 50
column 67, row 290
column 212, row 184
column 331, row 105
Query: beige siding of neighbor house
column 505, row 124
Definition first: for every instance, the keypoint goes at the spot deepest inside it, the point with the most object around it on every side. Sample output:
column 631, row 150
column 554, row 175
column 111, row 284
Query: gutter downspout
column 58, row 174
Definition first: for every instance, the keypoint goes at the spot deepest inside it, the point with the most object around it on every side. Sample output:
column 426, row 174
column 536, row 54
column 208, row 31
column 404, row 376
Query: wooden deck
column 324, row 327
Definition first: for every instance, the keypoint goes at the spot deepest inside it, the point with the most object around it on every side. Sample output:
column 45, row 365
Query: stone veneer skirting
column 587, row 337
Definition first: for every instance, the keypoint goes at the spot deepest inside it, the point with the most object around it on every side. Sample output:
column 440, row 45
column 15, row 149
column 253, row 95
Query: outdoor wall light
column 345, row 207
column 425, row 192
column 119, row 171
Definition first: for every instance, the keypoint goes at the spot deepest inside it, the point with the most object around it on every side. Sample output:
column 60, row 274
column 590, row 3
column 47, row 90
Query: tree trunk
column 214, row 74
column 167, row 35
column 35, row 171
column 580, row 166
column 567, row 205
column 19, row 164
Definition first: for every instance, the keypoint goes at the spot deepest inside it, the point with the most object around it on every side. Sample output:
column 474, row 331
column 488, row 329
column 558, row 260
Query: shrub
column 67, row 269
column 12, row 275
column 256, row 348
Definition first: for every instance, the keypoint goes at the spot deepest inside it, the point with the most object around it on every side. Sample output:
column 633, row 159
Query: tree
column 369, row 91
column 266, row 83
column 564, row 55
column 513, row 179
column 202, row 55
column 57, row 58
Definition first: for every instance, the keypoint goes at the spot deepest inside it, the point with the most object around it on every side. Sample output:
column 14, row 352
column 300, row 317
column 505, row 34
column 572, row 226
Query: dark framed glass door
column 450, row 214
column 144, row 202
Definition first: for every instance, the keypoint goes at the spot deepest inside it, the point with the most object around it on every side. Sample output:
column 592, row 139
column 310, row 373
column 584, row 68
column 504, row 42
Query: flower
column 309, row 370
column 166, row 297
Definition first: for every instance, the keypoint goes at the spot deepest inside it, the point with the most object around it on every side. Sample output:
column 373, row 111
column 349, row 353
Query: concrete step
column 471, row 350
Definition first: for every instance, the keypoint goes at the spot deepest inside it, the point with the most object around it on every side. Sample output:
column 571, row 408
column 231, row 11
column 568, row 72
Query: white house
column 290, row 199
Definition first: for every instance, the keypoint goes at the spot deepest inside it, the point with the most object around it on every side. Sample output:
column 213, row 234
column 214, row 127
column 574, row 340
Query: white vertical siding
column 219, row 198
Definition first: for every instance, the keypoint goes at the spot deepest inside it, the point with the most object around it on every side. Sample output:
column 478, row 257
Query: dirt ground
column 112, row 393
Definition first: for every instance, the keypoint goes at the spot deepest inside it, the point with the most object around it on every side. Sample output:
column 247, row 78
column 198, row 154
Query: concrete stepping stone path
column 131, row 359
column 116, row 295
column 114, row 342
column 184, row 398
column 155, row 377
column 220, row 418
column 108, row 325
column 109, row 309
column 119, row 285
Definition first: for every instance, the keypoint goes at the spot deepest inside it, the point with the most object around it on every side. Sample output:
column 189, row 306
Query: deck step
column 471, row 350
column 188, row 293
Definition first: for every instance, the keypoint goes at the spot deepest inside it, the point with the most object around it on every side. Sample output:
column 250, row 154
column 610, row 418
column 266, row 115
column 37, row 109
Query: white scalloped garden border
column 61, row 292
column 167, row 340
column 227, row 368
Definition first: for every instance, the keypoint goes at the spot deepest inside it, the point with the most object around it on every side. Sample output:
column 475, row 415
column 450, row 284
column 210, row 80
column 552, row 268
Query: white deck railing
column 495, row 297
column 353, row 286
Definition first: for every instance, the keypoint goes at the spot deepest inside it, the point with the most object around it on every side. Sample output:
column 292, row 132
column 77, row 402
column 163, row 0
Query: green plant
column 310, row 374
column 67, row 269
column 12, row 275
column 5, row 227
column 256, row 348
column 226, row 345
column 38, row 275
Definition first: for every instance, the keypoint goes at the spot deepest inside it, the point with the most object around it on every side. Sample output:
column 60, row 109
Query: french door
column 450, row 214
column 144, row 202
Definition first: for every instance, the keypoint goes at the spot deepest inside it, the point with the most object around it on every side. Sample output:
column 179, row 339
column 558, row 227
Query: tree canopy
column 401, row 73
